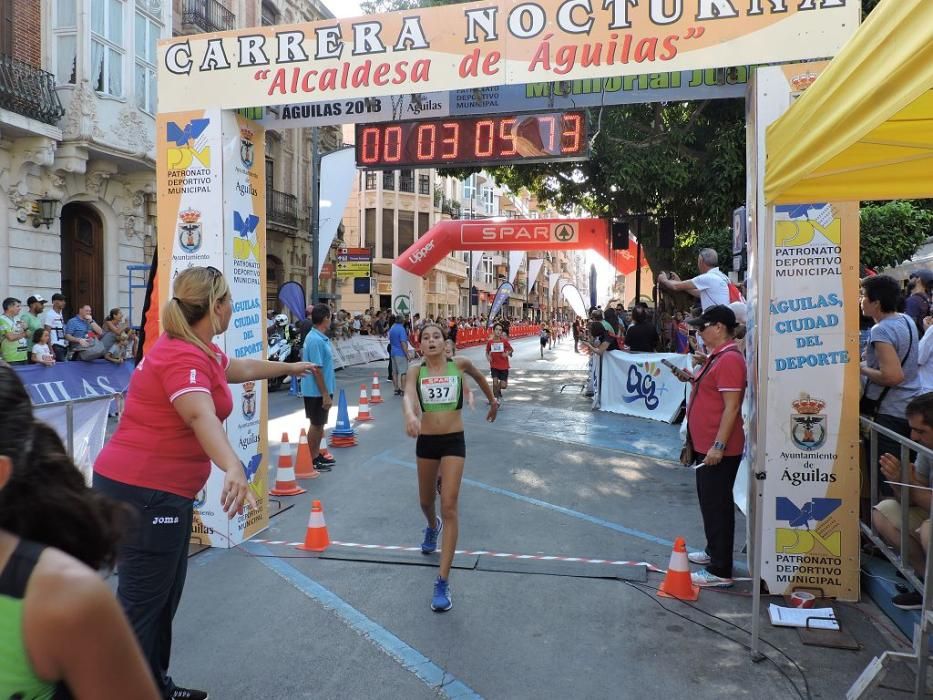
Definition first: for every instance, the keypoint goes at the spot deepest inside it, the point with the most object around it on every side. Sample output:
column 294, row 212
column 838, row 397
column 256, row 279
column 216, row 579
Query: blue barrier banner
column 66, row 381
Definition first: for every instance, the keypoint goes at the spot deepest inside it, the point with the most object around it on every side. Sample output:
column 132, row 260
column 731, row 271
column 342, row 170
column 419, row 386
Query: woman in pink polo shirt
column 160, row 456
column 714, row 425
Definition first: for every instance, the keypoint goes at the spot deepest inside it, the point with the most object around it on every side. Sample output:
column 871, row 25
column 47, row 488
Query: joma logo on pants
column 165, row 520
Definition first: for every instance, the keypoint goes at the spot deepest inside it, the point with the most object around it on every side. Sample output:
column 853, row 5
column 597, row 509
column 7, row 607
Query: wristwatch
column 721, row 446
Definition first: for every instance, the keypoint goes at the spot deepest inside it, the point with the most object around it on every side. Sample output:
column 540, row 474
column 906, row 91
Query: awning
column 864, row 129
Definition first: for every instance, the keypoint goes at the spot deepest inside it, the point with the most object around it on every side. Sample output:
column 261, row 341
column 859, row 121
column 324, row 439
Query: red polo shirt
column 727, row 373
column 498, row 360
column 152, row 446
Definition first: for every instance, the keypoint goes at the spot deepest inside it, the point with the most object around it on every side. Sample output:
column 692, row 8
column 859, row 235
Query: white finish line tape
column 542, row 557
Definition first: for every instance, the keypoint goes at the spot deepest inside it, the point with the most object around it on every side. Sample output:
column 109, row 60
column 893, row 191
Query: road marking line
column 408, row 657
column 550, row 506
column 537, row 557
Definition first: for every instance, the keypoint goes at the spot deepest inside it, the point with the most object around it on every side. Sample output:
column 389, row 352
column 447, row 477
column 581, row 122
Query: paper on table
column 797, row 617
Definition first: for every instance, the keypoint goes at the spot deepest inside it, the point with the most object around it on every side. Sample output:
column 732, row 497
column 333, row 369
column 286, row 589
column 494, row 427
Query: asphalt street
column 550, row 477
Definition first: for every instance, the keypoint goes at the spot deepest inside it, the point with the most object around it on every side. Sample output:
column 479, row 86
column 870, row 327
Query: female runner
column 441, row 450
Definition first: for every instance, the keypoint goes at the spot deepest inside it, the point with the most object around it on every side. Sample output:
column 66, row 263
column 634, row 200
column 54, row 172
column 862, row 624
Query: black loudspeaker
column 666, row 233
column 619, row 233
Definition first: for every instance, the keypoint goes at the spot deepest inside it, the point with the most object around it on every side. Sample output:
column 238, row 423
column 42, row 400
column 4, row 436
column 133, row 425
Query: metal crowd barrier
column 68, row 438
column 920, row 655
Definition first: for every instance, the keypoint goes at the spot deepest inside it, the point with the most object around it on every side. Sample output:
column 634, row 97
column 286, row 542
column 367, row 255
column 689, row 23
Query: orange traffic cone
column 677, row 583
column 324, row 451
column 304, row 468
column 285, row 483
column 376, row 395
column 316, row 537
column 364, row 405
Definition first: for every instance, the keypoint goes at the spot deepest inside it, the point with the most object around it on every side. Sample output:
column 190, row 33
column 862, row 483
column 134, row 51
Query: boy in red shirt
column 498, row 352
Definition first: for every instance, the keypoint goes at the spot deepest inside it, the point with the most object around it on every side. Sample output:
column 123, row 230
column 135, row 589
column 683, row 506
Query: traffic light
column 619, row 234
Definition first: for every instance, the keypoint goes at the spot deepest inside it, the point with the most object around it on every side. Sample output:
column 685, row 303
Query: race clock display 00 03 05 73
column 476, row 140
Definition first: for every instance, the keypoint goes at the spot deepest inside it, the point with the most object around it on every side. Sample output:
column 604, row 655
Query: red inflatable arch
column 450, row 235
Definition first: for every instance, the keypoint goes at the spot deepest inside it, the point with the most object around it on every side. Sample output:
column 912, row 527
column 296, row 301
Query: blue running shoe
column 441, row 601
column 429, row 546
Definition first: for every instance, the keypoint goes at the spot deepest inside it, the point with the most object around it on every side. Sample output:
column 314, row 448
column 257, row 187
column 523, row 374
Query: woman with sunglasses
column 160, row 456
column 717, row 435
column 62, row 633
column 435, row 420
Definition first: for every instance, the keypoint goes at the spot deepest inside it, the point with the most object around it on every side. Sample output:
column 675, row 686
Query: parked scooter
column 283, row 347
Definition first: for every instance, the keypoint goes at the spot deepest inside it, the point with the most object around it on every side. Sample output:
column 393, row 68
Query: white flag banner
column 515, row 262
column 337, row 172
column 637, row 384
column 574, row 298
column 534, row 267
column 477, row 262
column 552, row 280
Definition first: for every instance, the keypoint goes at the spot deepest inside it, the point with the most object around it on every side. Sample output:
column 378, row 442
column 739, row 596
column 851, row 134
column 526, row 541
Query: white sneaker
column 705, row 579
column 700, row 558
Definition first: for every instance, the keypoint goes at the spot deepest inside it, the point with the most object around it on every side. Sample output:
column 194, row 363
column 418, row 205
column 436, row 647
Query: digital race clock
column 477, row 140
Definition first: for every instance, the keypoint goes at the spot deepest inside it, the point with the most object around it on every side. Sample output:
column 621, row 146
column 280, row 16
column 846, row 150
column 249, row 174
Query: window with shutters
column 406, row 230
column 107, row 48
column 65, row 40
column 147, row 31
column 369, row 228
column 388, row 233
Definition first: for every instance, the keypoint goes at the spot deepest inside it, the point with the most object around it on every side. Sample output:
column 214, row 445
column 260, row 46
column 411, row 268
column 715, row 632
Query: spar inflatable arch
column 451, row 235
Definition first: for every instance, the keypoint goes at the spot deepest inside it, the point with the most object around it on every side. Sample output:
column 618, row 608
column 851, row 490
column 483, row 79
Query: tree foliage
column 689, row 244
column 891, row 232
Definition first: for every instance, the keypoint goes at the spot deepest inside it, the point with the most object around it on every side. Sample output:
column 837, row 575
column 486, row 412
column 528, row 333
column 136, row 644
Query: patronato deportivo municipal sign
column 491, row 43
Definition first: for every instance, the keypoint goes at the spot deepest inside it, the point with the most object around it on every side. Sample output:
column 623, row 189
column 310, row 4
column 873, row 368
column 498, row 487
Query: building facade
column 77, row 156
column 78, row 99
column 288, row 172
column 387, row 212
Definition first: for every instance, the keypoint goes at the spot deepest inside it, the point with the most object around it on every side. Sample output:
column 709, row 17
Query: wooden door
column 83, row 260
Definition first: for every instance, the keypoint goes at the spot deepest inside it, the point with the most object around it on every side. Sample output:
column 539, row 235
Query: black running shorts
column 501, row 374
column 438, row 446
column 314, row 410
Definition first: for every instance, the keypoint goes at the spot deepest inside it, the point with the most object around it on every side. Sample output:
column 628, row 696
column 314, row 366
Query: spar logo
column 245, row 244
column 190, row 144
column 420, row 255
column 564, row 233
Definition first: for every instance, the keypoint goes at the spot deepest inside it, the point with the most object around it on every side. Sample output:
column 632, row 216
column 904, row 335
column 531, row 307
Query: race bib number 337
column 438, row 390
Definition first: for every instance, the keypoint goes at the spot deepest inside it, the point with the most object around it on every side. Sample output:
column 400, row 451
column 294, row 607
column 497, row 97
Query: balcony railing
column 29, row 91
column 282, row 208
column 208, row 15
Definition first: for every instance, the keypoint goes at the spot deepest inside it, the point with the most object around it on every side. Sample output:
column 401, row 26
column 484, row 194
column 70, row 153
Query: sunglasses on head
column 215, row 273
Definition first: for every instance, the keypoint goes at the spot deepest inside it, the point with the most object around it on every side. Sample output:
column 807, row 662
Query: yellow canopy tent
column 864, row 129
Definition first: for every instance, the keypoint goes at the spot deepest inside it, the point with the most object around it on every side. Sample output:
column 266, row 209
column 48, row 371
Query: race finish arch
column 211, row 202
column 451, row 235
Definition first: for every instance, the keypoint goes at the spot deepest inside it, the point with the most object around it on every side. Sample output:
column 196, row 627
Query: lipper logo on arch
column 187, row 143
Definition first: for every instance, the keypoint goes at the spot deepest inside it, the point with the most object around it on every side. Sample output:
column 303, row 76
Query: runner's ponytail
column 46, row 499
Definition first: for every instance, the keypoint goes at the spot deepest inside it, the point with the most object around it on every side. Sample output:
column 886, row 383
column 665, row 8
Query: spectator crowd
column 37, row 334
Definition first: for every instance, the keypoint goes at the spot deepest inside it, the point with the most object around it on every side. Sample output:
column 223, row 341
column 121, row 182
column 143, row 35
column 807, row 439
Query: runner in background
column 435, row 420
column 543, row 335
column 498, row 352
